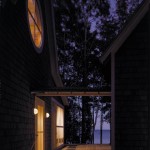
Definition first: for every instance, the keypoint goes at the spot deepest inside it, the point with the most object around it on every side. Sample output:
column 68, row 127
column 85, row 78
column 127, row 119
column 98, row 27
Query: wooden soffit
column 72, row 93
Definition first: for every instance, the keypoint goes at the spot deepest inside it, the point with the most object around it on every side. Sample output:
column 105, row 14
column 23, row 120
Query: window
column 59, row 126
column 35, row 23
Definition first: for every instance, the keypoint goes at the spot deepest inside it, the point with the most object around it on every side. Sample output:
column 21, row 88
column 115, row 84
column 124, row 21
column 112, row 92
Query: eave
column 52, row 46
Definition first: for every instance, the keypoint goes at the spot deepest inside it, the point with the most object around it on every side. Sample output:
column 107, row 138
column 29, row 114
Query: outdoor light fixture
column 35, row 111
column 47, row 115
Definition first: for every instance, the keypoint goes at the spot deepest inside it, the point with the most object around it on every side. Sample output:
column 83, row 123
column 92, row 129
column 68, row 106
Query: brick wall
column 22, row 70
column 131, row 98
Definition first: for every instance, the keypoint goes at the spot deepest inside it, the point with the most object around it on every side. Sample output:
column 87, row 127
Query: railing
column 33, row 145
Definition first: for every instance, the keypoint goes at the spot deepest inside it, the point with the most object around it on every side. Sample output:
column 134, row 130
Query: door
column 39, row 124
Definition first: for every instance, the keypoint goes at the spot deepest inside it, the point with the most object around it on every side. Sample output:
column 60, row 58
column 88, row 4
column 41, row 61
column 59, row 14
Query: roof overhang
column 52, row 46
column 134, row 21
column 72, row 93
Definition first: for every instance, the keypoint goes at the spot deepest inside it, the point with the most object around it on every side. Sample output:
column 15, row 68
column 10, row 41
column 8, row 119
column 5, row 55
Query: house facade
column 28, row 63
column 130, row 83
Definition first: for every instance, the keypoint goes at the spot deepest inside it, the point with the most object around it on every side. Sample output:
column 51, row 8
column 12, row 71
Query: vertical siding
column 132, row 91
column 22, row 70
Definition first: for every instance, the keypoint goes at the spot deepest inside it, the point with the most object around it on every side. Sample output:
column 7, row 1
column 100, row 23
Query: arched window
column 35, row 23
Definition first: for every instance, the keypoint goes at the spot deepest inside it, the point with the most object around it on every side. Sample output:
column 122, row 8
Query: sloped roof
column 53, row 48
column 127, row 30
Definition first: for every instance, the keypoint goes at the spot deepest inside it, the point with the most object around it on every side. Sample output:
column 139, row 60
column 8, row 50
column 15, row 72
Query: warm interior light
column 59, row 126
column 35, row 22
column 47, row 115
column 35, row 111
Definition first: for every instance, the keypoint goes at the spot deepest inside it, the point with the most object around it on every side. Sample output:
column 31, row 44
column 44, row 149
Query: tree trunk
column 93, row 125
column 101, row 127
column 83, row 120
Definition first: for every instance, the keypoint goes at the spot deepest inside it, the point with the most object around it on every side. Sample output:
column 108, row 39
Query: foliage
column 73, row 121
column 84, row 30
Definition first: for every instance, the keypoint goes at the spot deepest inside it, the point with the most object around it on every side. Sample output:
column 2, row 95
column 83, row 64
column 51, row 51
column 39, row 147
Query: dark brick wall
column 22, row 70
column 132, row 91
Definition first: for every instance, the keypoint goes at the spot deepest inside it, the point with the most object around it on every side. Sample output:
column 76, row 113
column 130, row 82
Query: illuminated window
column 35, row 22
column 59, row 127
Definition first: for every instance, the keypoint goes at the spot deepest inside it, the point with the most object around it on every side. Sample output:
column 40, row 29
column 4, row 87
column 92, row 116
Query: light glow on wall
column 40, row 128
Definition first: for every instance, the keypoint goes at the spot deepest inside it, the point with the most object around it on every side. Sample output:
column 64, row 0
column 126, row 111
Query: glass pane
column 60, row 117
column 31, row 7
column 59, row 136
column 35, row 22
column 38, row 20
column 37, row 37
column 32, row 25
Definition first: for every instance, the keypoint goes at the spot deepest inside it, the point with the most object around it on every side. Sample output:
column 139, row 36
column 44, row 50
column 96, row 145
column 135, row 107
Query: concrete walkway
column 88, row 147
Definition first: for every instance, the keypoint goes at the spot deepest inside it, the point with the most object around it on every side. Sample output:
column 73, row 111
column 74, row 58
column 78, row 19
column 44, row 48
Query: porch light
column 35, row 111
column 47, row 115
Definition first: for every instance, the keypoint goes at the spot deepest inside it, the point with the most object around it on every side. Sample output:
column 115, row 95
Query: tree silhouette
column 84, row 30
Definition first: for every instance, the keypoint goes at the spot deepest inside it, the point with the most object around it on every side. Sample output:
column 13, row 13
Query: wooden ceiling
column 72, row 93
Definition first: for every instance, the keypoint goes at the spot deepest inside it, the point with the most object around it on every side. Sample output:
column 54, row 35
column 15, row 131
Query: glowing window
column 59, row 126
column 35, row 22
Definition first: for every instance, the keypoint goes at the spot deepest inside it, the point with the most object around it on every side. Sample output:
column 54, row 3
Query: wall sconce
column 47, row 115
column 35, row 111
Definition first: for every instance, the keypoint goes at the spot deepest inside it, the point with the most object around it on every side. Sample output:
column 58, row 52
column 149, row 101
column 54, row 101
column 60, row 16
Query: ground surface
column 88, row 147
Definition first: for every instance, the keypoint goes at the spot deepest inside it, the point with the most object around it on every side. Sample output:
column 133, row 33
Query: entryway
column 39, row 124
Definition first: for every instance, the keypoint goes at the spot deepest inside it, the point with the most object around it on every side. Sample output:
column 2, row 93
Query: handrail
column 34, row 142
column 33, row 145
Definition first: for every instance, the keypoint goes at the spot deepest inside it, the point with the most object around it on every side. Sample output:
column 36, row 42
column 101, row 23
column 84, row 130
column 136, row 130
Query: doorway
column 39, row 124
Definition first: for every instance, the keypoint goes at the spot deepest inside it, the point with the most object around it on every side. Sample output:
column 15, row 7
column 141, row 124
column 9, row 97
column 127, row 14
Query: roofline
column 127, row 30
column 56, row 75
column 71, row 93
column 53, row 55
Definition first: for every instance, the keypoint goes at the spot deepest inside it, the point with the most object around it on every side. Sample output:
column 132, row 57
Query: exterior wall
column 132, row 91
column 22, row 70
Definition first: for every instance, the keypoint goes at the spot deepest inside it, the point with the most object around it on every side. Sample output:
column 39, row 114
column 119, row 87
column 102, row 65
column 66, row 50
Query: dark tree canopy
column 84, row 30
